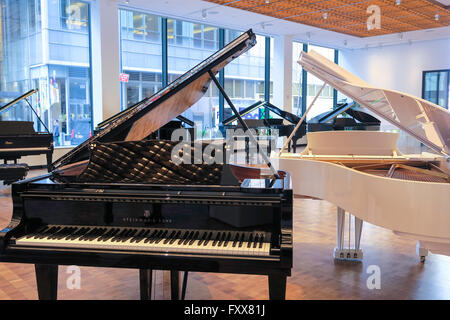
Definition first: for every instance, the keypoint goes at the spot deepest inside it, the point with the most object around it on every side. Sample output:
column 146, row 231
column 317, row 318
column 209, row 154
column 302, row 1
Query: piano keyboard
column 151, row 240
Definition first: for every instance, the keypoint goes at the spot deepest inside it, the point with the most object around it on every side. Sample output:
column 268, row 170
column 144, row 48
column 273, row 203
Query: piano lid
column 427, row 122
column 147, row 116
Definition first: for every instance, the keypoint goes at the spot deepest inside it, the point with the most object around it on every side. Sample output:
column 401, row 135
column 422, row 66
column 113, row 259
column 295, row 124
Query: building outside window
column 58, row 64
column 189, row 44
column 436, row 87
column 325, row 101
column 141, row 52
column 297, row 75
column 244, row 77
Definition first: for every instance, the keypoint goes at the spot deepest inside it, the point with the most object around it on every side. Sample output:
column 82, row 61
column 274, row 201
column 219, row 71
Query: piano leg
column 175, row 285
column 145, row 282
column 49, row 161
column 47, row 281
column 277, row 286
column 184, row 285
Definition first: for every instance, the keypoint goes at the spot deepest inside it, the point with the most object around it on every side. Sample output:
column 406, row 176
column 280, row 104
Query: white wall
column 400, row 68
column 397, row 67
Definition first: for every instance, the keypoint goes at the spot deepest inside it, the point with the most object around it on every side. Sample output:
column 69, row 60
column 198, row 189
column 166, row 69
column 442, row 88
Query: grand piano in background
column 120, row 200
column 355, row 119
column 363, row 173
column 18, row 139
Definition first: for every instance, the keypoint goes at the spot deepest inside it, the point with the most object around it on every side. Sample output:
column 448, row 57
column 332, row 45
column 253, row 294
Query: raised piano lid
column 424, row 120
column 147, row 116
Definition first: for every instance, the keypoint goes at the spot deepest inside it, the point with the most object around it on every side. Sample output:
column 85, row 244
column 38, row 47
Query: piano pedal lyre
column 349, row 253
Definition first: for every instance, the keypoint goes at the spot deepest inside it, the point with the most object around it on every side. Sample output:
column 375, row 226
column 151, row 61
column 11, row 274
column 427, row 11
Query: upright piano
column 365, row 174
column 18, row 139
column 125, row 201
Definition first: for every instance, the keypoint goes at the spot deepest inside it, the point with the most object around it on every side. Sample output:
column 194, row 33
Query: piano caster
column 421, row 251
column 346, row 254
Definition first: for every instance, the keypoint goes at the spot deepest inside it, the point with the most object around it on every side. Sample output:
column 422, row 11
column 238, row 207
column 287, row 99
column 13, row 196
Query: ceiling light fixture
column 267, row 1
column 127, row 1
column 308, row 35
column 437, row 16
column 345, row 42
column 398, row 2
column 325, row 15
column 204, row 14
column 401, row 35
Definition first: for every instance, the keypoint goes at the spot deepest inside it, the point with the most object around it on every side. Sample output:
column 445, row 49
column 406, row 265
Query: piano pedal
column 347, row 254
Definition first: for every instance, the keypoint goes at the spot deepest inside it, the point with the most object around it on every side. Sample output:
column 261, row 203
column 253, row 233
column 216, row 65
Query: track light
column 401, row 35
column 204, row 14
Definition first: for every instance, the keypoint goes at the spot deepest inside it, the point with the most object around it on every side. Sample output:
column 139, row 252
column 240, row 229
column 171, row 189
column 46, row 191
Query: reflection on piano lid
column 122, row 200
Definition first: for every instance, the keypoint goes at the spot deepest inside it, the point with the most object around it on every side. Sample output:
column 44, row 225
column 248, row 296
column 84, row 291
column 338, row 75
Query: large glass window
column 244, row 77
column 62, row 77
column 140, row 41
column 325, row 101
column 436, row 87
column 297, row 76
column 189, row 44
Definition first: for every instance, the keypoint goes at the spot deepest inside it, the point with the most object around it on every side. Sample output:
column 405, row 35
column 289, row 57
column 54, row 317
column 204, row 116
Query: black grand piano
column 346, row 116
column 18, row 139
column 270, row 124
column 125, row 201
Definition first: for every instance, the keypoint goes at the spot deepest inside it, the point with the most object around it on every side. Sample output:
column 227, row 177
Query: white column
column 105, row 59
column 282, row 78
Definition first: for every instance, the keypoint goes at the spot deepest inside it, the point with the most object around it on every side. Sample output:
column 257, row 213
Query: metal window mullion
column 267, row 76
column 221, row 77
column 336, row 60
column 164, row 57
column 304, row 83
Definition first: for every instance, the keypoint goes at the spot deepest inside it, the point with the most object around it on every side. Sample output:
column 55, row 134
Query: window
column 74, row 15
column 325, row 101
column 141, row 55
column 64, row 82
column 297, row 75
column 436, row 87
column 189, row 44
column 247, row 71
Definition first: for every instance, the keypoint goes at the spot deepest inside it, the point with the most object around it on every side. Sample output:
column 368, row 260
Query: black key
column 255, row 242
column 188, row 238
column 185, row 235
column 162, row 236
column 250, row 239
column 242, row 240
column 172, row 234
column 261, row 241
column 153, row 236
column 221, row 240
column 107, row 234
column 208, row 238
column 236, row 239
column 138, row 235
column 175, row 237
column 129, row 235
column 111, row 234
column 216, row 239
column 119, row 235
column 204, row 235
column 227, row 239
column 194, row 237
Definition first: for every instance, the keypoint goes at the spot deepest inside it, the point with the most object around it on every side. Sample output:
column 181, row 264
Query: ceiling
column 350, row 16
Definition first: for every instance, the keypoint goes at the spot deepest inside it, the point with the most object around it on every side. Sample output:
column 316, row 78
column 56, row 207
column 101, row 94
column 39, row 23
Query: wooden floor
column 315, row 275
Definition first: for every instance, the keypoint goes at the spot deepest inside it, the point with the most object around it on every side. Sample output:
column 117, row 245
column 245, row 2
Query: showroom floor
column 314, row 276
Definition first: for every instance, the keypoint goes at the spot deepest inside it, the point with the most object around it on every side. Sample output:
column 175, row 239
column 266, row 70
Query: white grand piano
column 409, row 194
